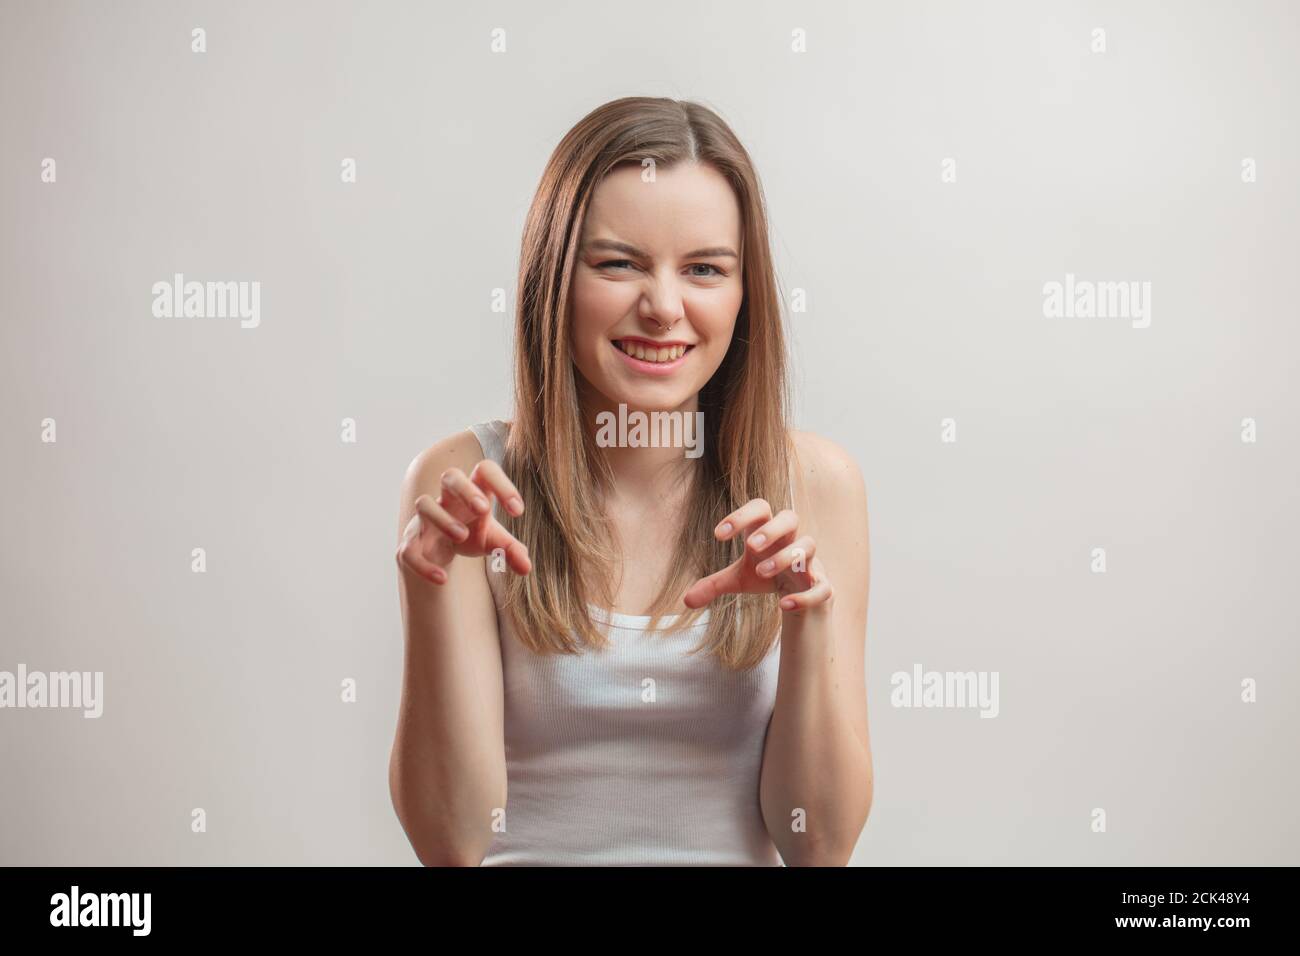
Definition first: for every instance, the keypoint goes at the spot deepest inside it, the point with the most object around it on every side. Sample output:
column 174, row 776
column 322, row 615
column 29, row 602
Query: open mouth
column 652, row 352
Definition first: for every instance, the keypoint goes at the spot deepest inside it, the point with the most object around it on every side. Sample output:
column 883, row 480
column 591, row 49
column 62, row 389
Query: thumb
column 706, row 589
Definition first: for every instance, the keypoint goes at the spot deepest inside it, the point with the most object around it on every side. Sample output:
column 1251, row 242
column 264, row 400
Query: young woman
column 553, row 711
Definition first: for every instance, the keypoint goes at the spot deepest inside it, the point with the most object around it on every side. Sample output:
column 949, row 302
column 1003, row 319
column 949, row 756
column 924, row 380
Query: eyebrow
column 615, row 246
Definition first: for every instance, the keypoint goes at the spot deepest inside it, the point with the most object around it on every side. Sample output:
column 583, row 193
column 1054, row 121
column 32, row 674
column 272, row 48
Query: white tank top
column 601, row 775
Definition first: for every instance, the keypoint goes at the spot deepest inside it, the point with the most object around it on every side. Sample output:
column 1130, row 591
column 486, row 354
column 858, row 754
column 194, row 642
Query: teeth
column 665, row 354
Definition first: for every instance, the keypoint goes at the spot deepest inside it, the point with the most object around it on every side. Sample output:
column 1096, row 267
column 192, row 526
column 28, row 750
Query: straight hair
column 553, row 459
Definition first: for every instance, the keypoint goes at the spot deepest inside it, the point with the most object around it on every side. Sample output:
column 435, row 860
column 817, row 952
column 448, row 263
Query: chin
column 646, row 400
column 662, row 395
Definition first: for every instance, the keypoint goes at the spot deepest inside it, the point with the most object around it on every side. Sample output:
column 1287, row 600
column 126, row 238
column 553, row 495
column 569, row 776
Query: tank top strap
column 492, row 436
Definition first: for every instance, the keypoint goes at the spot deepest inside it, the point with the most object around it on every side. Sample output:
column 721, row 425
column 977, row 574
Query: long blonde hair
column 552, row 458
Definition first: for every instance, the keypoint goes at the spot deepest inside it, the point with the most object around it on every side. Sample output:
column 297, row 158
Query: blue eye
column 706, row 265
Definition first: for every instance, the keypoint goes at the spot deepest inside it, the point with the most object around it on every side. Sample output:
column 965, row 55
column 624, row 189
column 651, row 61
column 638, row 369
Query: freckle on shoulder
column 817, row 453
column 830, row 475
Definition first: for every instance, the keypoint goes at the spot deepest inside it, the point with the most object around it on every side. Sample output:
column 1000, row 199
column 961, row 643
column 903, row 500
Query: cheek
column 717, row 324
column 593, row 309
column 717, row 321
column 598, row 305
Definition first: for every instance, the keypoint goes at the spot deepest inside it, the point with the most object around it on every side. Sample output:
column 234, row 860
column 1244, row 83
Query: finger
column 514, row 550
column 767, row 536
column 440, row 518
column 455, row 483
column 803, row 548
column 705, row 590
column 819, row 593
column 746, row 516
column 411, row 555
column 487, row 474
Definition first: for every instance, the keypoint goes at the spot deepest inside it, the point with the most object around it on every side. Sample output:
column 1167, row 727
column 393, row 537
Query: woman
column 553, row 712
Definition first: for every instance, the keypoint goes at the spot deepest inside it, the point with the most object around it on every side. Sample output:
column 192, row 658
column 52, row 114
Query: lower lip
column 652, row 368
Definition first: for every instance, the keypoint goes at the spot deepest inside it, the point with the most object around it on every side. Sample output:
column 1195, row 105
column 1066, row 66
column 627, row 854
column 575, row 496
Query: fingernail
column 516, row 506
column 766, row 567
column 459, row 529
column 757, row 540
column 726, row 528
column 788, row 604
column 481, row 506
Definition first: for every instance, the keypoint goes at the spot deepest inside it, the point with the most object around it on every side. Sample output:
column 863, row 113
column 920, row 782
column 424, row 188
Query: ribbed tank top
column 600, row 774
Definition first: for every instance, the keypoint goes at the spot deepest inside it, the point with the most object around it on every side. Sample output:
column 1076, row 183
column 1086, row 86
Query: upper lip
column 651, row 342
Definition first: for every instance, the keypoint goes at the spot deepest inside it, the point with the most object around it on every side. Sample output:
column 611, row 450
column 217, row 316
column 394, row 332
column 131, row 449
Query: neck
column 647, row 475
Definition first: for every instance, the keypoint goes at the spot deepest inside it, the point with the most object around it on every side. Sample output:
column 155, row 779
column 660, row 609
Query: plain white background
column 1119, row 691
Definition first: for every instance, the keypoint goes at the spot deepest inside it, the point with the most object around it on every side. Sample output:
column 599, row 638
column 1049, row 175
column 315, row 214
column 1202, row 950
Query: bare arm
column 816, row 783
column 447, row 770
column 817, row 767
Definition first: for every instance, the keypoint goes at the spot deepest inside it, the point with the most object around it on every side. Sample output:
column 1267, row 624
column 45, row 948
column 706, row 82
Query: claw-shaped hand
column 775, row 559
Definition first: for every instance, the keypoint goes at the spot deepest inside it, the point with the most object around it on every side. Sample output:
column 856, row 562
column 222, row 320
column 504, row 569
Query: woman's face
column 658, row 270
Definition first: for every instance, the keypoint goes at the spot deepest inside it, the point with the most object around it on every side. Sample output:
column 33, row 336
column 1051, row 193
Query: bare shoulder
column 423, row 476
column 829, row 473
column 831, row 501
column 458, row 450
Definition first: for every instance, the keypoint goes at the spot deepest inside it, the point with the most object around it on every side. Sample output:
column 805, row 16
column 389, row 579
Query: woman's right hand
column 460, row 521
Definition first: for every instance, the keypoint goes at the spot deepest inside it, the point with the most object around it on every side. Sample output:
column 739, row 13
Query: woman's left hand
column 775, row 559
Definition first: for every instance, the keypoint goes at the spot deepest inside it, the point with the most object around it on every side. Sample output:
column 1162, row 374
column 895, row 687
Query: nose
column 661, row 305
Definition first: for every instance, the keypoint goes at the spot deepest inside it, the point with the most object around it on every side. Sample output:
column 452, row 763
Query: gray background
column 1119, row 691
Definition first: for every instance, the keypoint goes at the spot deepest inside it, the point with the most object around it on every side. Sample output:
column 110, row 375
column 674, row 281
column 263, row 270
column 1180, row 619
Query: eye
column 614, row 262
column 706, row 265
